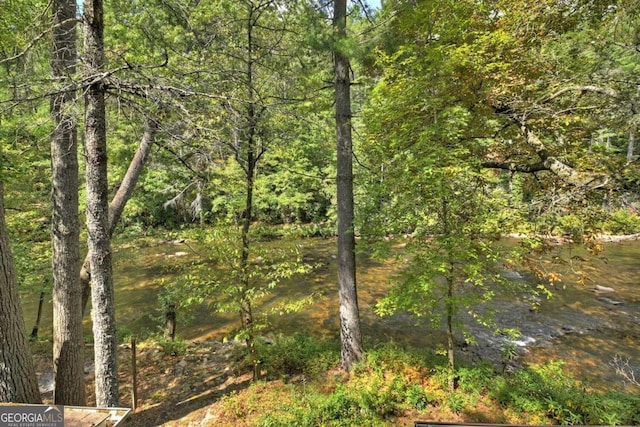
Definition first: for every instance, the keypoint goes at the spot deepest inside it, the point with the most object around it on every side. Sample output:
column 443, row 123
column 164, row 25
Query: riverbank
column 601, row 238
column 196, row 386
column 209, row 384
column 576, row 324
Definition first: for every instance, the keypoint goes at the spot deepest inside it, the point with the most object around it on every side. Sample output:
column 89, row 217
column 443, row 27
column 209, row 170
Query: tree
column 350, row 336
column 255, row 112
column 27, row 176
column 18, row 382
column 433, row 187
column 68, row 346
column 238, row 89
column 104, row 324
column 541, row 95
column 431, row 132
column 120, row 199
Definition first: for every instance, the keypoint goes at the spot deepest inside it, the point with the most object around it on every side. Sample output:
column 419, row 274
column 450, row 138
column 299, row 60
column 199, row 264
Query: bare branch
column 174, row 201
column 36, row 39
column 625, row 370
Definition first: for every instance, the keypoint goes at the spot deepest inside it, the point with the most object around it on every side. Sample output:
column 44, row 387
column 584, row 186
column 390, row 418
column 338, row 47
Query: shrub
column 388, row 381
column 382, row 393
column 622, row 221
column 176, row 347
column 572, row 225
column 456, row 401
column 298, row 354
column 339, row 406
column 389, row 356
column 416, row 397
column 546, row 389
column 474, row 379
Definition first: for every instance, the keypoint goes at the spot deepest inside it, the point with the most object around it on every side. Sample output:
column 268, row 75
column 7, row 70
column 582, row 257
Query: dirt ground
column 172, row 390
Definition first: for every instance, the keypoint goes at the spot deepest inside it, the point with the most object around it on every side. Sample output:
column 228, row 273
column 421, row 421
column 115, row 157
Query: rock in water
column 609, row 301
column 603, row 289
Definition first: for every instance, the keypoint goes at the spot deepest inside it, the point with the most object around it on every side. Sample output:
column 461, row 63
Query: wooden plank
column 82, row 416
column 85, row 418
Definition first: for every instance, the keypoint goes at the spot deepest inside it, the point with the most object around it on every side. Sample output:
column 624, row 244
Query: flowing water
column 586, row 329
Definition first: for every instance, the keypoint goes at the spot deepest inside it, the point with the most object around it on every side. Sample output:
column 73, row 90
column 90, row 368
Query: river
column 586, row 329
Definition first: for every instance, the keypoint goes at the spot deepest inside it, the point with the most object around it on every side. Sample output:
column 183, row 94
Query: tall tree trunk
column 68, row 349
column 631, row 146
column 104, row 323
column 18, row 381
column 350, row 335
column 119, row 201
column 246, row 315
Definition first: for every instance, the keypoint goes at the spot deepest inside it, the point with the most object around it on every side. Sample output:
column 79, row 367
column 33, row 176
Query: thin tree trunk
column 68, row 348
column 449, row 301
column 134, row 375
column 122, row 196
column 510, row 193
column 170, row 322
column 104, row 324
column 450, row 340
column 36, row 326
column 350, row 335
column 247, row 314
column 631, row 146
column 18, row 381
column 250, row 170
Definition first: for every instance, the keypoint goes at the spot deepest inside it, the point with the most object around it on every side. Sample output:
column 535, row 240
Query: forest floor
column 172, row 390
column 209, row 384
column 191, row 388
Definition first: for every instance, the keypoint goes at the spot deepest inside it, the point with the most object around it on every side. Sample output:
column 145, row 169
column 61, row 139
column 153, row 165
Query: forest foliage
column 437, row 85
column 471, row 120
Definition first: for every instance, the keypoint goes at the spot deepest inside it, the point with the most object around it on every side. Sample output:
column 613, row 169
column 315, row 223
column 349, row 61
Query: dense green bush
column 622, row 221
column 298, row 354
column 340, row 407
column 546, row 389
column 175, row 347
column 474, row 379
column 571, row 225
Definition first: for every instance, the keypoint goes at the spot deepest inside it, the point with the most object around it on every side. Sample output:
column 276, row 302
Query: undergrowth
column 390, row 385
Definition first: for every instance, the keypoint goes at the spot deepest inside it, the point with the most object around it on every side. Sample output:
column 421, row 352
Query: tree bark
column 170, row 322
column 68, row 348
column 350, row 336
column 18, row 381
column 556, row 166
column 122, row 196
column 104, row 323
